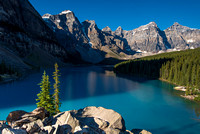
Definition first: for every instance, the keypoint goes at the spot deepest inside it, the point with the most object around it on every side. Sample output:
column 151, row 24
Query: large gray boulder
column 106, row 118
column 96, row 119
column 66, row 120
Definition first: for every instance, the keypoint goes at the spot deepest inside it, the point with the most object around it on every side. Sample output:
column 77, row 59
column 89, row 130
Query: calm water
column 152, row 105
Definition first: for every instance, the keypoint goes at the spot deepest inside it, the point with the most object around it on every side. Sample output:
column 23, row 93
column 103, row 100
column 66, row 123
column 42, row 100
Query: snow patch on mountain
column 46, row 16
column 90, row 43
column 65, row 12
column 191, row 47
column 58, row 21
column 190, row 41
column 146, row 27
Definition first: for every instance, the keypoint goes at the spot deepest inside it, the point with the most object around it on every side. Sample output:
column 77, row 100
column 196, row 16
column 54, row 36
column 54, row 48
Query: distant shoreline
column 181, row 88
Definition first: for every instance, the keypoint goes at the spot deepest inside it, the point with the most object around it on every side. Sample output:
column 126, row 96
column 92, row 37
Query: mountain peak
column 147, row 26
column 178, row 27
column 65, row 12
column 91, row 21
column 176, row 24
column 46, row 16
column 119, row 29
column 153, row 24
column 107, row 29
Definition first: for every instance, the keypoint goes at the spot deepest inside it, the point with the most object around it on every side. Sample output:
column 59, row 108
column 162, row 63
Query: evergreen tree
column 44, row 98
column 56, row 89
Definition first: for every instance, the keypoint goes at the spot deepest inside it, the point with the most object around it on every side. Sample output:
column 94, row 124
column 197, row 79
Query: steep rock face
column 107, row 30
column 85, row 39
column 182, row 37
column 93, row 33
column 119, row 32
column 71, row 36
column 145, row 38
column 22, row 31
column 112, row 45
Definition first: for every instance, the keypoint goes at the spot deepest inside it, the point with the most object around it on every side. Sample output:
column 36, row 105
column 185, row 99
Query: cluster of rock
column 95, row 120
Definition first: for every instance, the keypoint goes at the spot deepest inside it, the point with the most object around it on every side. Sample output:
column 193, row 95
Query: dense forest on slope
column 181, row 68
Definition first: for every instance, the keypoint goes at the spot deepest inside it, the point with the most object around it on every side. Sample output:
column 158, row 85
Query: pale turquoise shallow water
column 147, row 104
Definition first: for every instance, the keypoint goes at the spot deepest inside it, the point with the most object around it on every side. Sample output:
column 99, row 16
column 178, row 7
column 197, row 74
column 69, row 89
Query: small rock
column 14, row 116
column 47, row 121
column 59, row 130
column 18, row 118
column 49, row 129
column 33, row 126
column 2, row 126
column 13, row 131
column 3, row 122
column 39, row 113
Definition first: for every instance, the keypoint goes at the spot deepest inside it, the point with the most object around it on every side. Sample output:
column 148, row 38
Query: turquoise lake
column 147, row 104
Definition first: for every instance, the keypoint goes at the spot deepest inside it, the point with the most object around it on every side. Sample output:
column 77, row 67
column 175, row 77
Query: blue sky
column 129, row 14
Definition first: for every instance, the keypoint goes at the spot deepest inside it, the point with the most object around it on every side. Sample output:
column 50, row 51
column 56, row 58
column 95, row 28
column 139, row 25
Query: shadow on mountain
column 165, row 40
column 110, row 61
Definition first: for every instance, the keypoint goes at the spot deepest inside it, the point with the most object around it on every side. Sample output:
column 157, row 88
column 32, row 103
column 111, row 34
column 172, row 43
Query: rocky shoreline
column 90, row 120
column 183, row 89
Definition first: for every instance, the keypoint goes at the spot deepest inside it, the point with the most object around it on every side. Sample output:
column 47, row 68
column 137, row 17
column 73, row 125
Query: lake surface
column 148, row 104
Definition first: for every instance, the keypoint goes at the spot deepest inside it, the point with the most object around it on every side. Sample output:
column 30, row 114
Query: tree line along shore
column 180, row 68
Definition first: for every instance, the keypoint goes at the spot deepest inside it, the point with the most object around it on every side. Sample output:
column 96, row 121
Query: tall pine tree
column 56, row 89
column 45, row 99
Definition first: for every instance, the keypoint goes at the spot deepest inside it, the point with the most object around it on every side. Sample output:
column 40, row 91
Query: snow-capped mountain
column 85, row 40
column 119, row 43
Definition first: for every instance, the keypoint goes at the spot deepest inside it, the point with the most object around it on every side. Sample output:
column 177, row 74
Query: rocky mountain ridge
column 85, row 39
column 120, row 43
